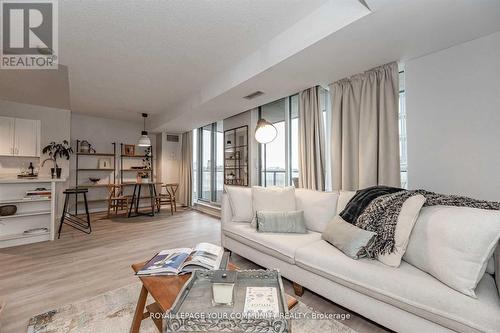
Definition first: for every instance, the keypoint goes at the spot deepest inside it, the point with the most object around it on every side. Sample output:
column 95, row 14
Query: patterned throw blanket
column 381, row 215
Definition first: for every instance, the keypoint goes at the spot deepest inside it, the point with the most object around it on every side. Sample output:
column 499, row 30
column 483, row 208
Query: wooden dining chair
column 116, row 199
column 167, row 197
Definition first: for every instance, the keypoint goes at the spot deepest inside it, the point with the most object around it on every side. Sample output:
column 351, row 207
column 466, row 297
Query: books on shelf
column 37, row 194
column 184, row 260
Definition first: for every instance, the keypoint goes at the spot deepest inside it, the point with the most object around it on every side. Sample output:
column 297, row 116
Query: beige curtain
column 186, row 170
column 365, row 132
column 311, row 141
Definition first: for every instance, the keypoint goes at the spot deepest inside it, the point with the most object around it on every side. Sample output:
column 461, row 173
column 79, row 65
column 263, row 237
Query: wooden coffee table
column 164, row 290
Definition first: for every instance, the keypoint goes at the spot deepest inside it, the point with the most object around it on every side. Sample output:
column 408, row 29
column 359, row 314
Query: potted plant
column 146, row 162
column 55, row 151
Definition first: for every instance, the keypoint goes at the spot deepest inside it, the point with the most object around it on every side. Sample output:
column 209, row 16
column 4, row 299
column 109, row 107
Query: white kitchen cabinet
column 19, row 137
column 6, row 136
column 27, row 137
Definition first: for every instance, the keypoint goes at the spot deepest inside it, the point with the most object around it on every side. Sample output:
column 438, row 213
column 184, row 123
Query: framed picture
column 129, row 150
column 104, row 163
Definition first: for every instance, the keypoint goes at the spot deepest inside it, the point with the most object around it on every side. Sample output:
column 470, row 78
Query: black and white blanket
column 381, row 215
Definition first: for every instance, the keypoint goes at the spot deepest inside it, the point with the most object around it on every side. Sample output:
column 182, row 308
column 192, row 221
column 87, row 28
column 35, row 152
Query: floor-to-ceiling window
column 279, row 158
column 210, row 154
column 206, row 163
column 219, row 165
column 195, row 164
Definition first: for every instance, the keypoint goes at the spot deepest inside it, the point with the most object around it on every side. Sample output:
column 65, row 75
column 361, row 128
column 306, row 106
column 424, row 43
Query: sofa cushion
column 319, row 207
column 272, row 199
column 407, row 288
column 344, row 198
column 240, row 200
column 279, row 245
column 454, row 244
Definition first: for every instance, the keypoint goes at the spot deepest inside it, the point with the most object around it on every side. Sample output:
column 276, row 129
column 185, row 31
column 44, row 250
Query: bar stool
column 72, row 219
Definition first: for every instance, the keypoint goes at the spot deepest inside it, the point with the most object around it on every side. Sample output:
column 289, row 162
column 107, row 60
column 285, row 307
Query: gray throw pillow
column 286, row 222
column 348, row 238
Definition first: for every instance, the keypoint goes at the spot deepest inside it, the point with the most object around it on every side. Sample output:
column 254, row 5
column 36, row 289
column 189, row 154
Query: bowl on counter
column 7, row 210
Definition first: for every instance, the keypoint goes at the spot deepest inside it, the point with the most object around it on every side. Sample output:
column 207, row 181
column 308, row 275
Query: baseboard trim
column 207, row 209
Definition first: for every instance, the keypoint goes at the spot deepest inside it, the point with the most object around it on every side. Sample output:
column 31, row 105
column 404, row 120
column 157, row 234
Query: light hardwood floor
column 38, row 277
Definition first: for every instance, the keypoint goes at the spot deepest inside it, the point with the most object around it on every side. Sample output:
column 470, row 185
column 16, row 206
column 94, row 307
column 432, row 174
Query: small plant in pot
column 55, row 151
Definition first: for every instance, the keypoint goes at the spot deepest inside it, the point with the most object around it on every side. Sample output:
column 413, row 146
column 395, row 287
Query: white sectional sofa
column 404, row 299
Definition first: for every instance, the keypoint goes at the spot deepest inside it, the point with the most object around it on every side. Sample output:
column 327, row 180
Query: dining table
column 136, row 198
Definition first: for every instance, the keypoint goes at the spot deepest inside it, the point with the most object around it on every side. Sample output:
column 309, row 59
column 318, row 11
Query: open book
column 184, row 260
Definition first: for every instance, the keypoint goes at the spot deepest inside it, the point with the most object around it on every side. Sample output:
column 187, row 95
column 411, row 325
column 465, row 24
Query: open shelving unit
column 123, row 169
column 97, row 170
column 236, row 156
column 34, row 219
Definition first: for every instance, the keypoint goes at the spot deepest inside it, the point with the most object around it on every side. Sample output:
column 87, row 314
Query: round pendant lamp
column 265, row 132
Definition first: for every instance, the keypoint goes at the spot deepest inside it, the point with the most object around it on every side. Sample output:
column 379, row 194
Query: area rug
column 112, row 312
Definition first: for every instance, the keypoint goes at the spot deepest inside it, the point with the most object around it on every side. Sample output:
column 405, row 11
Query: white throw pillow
column 490, row 268
column 406, row 220
column 454, row 244
column 319, row 207
column 344, row 198
column 272, row 199
column 240, row 199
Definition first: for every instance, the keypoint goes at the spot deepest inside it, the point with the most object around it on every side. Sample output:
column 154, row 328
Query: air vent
column 253, row 95
column 172, row 138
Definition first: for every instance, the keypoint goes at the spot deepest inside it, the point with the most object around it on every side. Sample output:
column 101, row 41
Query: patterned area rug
column 112, row 312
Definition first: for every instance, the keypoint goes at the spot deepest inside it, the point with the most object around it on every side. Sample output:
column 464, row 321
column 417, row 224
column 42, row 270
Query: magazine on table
column 184, row 260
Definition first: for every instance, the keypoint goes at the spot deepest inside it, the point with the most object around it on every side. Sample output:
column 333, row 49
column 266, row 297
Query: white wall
column 170, row 159
column 453, row 119
column 101, row 132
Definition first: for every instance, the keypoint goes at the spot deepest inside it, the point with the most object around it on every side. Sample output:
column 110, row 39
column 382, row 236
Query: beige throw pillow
column 272, row 199
column 454, row 244
column 406, row 220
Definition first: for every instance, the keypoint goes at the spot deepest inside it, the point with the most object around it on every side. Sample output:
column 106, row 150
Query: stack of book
column 38, row 194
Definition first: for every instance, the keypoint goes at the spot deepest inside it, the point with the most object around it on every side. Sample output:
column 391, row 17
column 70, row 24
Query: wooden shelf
column 136, row 170
column 134, row 156
column 17, row 236
column 6, row 202
column 44, row 212
column 95, row 154
column 91, row 185
column 96, row 169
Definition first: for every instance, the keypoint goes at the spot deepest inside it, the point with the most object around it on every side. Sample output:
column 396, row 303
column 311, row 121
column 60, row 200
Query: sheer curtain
column 365, row 132
column 311, row 141
column 186, row 170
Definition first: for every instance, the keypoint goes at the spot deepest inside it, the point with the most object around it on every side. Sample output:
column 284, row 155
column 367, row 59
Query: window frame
column 213, row 164
column 288, row 145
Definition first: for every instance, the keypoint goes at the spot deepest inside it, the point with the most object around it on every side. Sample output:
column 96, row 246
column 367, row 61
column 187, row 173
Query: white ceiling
column 126, row 57
column 190, row 62
column 398, row 30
